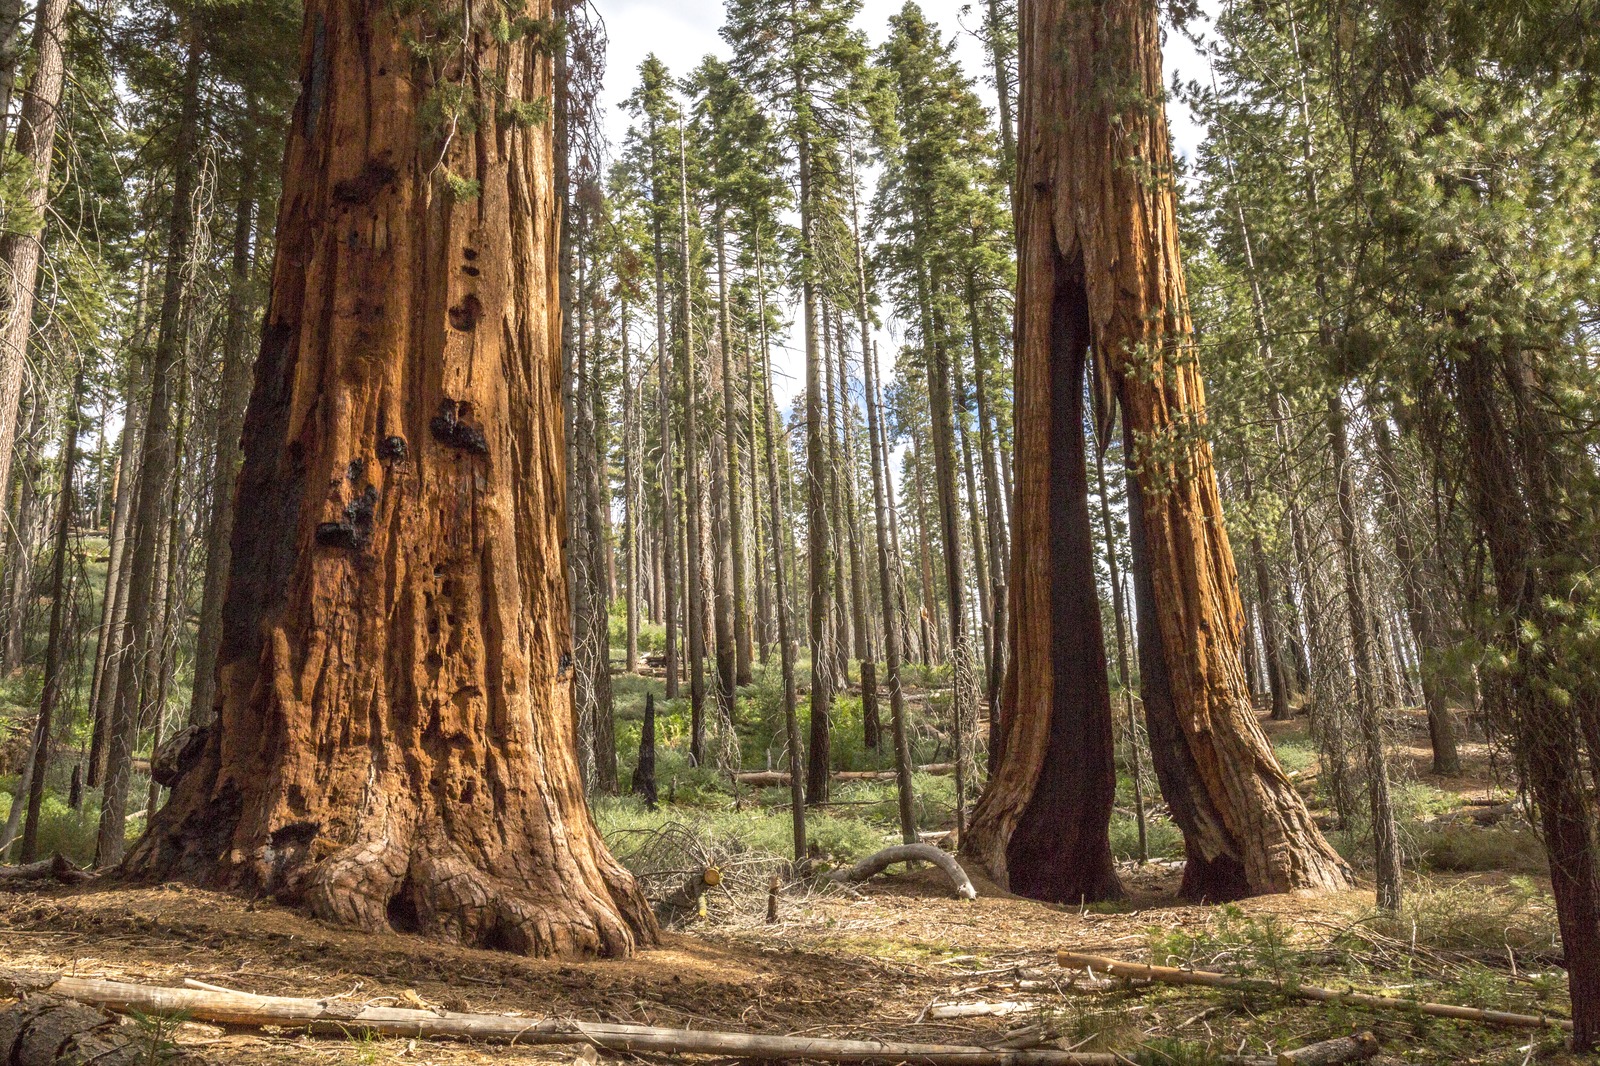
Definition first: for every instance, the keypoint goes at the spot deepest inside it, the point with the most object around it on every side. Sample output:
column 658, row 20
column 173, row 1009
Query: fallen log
column 879, row 861
column 244, row 1008
column 55, row 868
column 1329, row 1052
column 775, row 778
column 1171, row 975
column 976, row 1010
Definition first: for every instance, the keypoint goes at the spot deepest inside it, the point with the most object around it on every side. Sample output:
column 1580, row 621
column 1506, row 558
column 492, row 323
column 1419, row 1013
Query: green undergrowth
column 1487, row 946
column 63, row 830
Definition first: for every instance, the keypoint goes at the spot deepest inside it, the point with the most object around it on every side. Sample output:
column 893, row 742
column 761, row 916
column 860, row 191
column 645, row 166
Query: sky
column 681, row 32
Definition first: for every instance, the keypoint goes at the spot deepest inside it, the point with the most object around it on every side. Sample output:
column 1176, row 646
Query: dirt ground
column 879, row 962
column 835, row 965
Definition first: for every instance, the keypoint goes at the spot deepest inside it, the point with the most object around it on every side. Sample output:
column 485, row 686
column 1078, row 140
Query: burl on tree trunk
column 1094, row 143
column 394, row 743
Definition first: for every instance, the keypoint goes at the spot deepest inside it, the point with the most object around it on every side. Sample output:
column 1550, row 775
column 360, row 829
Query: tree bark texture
column 1094, row 140
column 22, row 245
column 1514, row 489
column 394, row 746
column 1042, row 827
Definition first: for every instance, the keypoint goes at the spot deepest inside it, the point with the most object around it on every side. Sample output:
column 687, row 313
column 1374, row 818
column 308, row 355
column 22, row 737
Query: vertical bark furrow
column 394, row 745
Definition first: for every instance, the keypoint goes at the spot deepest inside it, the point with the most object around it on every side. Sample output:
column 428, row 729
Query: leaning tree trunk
column 630, row 501
column 1420, row 612
column 840, row 620
column 722, row 503
column 22, row 244
column 1514, row 485
column 1369, row 712
column 871, row 720
column 1102, row 162
column 1042, row 827
column 942, row 430
column 1124, row 673
column 394, row 744
column 694, row 606
column 887, row 600
column 113, row 643
column 669, row 525
column 994, row 522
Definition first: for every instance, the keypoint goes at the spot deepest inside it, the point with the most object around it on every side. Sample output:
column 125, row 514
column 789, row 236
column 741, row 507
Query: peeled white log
column 243, row 1008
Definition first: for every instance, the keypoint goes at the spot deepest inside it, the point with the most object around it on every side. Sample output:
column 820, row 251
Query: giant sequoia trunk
column 393, row 743
column 1094, row 139
column 1042, row 826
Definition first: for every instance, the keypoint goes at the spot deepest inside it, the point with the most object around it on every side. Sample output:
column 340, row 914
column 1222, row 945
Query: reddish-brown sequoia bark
column 393, row 743
column 1042, row 826
column 1095, row 148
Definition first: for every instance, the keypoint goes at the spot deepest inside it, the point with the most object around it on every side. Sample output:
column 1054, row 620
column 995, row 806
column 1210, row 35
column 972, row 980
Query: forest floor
column 879, row 962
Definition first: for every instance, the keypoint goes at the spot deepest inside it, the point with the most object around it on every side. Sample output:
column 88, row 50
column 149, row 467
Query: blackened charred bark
column 1042, row 825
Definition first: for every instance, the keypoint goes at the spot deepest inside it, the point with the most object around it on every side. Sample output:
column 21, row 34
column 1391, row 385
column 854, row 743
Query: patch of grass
column 885, row 949
column 1256, row 947
column 723, row 830
column 1475, row 921
column 1467, row 849
column 1296, row 754
column 1170, row 1051
column 70, row 832
column 1090, row 1023
column 1162, row 837
column 915, row 675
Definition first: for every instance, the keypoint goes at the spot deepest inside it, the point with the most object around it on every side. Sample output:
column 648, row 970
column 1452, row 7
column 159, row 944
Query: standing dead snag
column 1096, row 173
column 393, row 744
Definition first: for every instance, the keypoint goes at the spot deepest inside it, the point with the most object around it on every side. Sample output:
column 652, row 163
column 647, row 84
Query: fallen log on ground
column 775, row 778
column 882, row 860
column 55, row 868
column 977, row 1010
column 1171, row 975
column 47, row 1030
column 243, row 1008
column 1328, row 1052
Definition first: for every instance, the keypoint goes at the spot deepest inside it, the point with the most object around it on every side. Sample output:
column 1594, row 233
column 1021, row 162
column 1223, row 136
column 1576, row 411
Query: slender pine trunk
column 155, row 469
